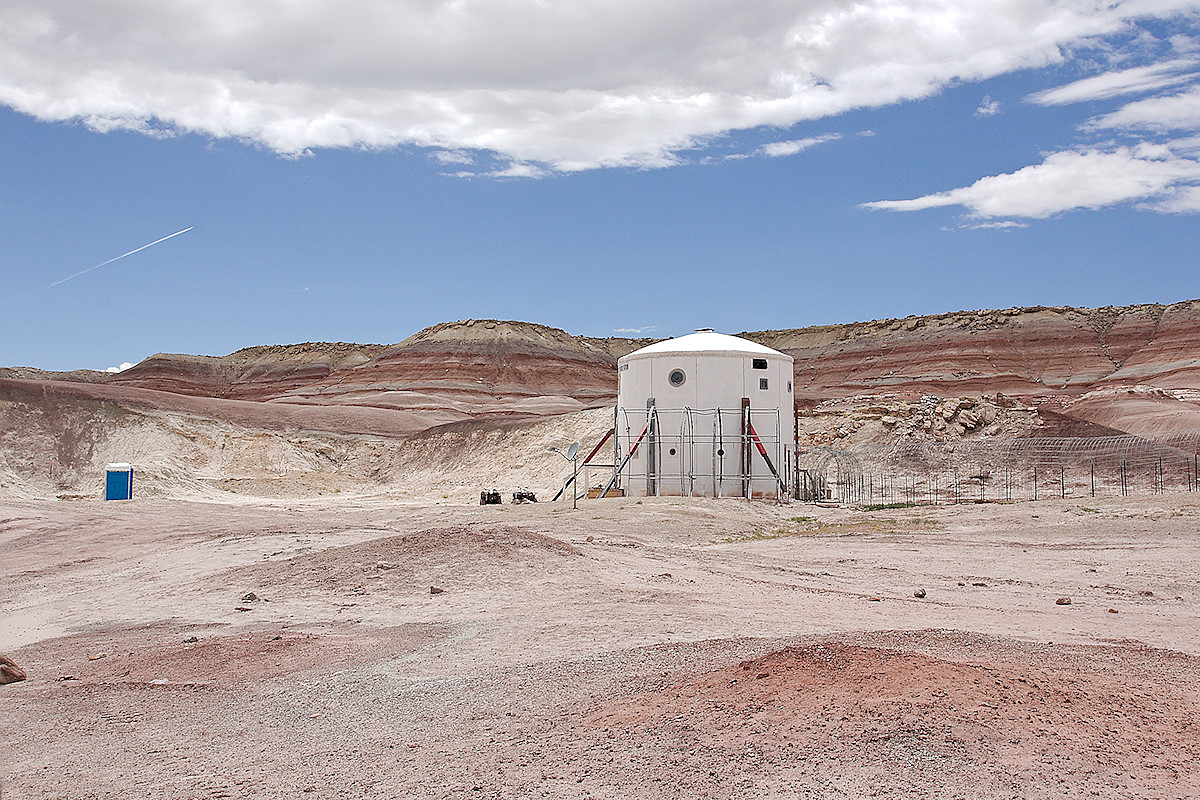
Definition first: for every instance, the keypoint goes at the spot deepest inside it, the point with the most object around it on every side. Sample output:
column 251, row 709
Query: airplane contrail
column 118, row 258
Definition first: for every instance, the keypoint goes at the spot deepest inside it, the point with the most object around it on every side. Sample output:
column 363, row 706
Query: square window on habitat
column 758, row 363
column 762, row 383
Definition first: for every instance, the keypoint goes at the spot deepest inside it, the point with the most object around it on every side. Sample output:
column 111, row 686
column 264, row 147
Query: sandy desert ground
column 284, row 648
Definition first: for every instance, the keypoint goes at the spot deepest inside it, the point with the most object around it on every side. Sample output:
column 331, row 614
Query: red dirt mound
column 217, row 658
column 1101, row 721
column 410, row 561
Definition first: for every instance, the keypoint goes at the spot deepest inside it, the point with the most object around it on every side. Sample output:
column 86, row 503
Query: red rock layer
column 491, row 368
column 1023, row 352
column 65, row 399
column 471, row 367
column 255, row 373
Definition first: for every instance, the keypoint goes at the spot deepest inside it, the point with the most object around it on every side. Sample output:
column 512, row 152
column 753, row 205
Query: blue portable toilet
column 118, row 482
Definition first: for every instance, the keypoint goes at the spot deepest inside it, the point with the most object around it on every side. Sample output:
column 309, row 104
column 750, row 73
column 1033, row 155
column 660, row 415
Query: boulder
column 9, row 671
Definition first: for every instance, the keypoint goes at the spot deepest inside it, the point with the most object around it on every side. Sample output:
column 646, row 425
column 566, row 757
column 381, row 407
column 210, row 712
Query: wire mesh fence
column 696, row 452
column 909, row 472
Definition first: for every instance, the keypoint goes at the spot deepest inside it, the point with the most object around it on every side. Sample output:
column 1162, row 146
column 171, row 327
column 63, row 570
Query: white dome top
column 706, row 341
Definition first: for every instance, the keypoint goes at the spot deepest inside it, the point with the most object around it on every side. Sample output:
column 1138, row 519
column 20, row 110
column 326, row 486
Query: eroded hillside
column 464, row 369
column 477, row 389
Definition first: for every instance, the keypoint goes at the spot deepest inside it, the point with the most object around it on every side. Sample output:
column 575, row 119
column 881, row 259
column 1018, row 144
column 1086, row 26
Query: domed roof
column 706, row 341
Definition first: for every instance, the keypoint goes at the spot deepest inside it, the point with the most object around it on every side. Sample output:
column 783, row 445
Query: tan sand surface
column 282, row 648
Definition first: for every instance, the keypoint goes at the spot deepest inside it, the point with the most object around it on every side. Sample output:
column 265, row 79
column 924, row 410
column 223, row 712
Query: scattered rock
column 67, row 678
column 979, row 583
column 9, row 671
column 435, row 590
column 1145, row 593
column 919, row 593
column 591, row 538
column 160, row 681
column 1063, row 601
column 384, row 565
column 763, row 674
column 97, row 656
column 873, row 599
column 1113, row 611
column 191, row 640
column 249, row 597
column 241, row 608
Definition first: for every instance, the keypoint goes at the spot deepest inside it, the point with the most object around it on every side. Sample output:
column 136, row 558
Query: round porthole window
column 677, row 377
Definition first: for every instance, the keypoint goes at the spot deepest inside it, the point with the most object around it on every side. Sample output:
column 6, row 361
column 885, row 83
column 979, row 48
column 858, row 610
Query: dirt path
column 663, row 649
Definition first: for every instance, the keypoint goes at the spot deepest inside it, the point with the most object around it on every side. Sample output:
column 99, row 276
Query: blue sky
column 358, row 171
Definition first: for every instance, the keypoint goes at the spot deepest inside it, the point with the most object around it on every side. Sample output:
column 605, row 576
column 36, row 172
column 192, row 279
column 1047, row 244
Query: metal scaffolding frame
column 700, row 446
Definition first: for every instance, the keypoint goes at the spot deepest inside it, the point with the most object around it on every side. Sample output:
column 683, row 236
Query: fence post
column 1035, row 482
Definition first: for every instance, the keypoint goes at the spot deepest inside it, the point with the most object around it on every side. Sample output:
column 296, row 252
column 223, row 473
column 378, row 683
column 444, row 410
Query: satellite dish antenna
column 572, row 451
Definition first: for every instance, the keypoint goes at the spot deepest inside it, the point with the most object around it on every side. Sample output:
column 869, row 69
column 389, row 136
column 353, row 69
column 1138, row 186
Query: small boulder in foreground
column 9, row 671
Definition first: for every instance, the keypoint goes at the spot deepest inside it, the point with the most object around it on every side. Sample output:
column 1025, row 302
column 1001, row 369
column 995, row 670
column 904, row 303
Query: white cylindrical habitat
column 705, row 415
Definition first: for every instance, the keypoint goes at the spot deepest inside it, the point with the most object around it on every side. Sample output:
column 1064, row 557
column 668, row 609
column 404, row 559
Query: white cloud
column 452, row 157
column 793, row 146
column 570, row 85
column 124, row 366
column 637, row 331
column 1121, row 82
column 1186, row 146
column 518, row 169
column 1152, row 175
column 1179, row 200
column 514, row 169
column 1173, row 112
column 988, row 108
column 1002, row 225
column 1071, row 180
